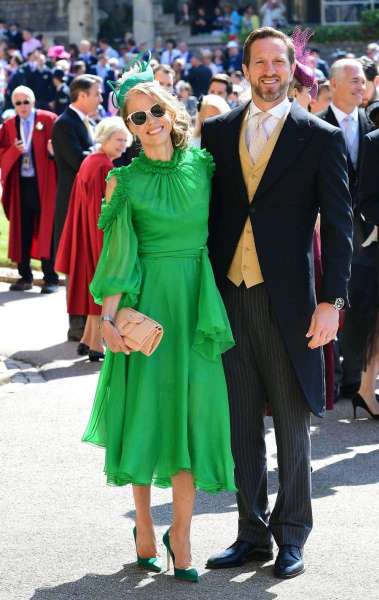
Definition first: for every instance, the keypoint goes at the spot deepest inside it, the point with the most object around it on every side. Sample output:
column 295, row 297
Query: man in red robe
column 28, row 177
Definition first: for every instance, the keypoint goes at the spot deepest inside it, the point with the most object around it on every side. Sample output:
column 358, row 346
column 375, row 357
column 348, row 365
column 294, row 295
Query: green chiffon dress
column 168, row 412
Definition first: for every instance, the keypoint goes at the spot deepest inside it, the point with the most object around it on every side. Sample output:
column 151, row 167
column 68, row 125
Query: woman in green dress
column 163, row 419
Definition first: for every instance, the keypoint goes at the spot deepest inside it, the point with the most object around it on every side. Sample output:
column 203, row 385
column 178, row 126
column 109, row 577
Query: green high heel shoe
column 151, row 564
column 189, row 574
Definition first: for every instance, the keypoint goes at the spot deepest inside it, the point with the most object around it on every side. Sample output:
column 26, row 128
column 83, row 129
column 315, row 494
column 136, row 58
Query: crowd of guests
column 231, row 18
column 42, row 83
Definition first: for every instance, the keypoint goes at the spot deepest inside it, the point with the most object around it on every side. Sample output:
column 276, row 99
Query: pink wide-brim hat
column 58, row 52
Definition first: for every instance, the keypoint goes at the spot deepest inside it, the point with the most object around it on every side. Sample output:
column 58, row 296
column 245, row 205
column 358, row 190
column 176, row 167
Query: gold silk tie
column 259, row 136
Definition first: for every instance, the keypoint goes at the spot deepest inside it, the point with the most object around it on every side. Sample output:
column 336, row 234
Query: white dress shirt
column 278, row 112
column 353, row 143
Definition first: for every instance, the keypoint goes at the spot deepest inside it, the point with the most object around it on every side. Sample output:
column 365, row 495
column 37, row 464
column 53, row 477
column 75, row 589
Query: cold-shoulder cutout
column 111, row 185
column 115, row 196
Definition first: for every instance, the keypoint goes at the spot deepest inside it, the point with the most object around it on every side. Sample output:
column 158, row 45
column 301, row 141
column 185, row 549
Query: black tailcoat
column 307, row 173
column 361, row 229
column 71, row 144
column 369, row 178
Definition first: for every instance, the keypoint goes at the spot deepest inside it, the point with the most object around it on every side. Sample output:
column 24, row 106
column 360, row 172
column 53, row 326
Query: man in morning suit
column 277, row 166
column 347, row 84
column 72, row 140
column 29, row 181
column 368, row 197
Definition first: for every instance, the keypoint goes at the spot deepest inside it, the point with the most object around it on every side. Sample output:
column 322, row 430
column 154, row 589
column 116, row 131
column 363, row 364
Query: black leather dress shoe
column 49, row 288
column 289, row 562
column 238, row 554
column 20, row 286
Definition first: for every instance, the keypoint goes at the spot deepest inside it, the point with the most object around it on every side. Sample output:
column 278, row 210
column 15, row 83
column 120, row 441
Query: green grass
column 4, row 227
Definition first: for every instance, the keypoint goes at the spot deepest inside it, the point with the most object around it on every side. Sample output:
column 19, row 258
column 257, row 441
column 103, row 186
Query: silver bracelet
column 106, row 318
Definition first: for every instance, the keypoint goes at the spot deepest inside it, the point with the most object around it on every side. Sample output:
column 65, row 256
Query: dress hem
column 163, row 482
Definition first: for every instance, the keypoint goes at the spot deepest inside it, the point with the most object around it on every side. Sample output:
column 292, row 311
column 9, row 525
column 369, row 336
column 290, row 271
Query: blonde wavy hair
column 180, row 119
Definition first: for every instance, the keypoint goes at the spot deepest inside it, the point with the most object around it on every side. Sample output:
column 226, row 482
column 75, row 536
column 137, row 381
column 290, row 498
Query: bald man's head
column 347, row 83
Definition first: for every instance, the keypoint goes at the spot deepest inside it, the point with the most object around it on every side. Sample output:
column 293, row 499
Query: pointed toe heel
column 95, row 356
column 150, row 564
column 358, row 401
column 190, row 574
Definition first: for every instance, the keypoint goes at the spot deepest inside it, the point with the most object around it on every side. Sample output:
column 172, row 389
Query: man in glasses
column 28, row 177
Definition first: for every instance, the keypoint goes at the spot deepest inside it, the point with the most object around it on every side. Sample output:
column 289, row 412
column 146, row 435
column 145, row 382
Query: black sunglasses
column 20, row 102
column 140, row 116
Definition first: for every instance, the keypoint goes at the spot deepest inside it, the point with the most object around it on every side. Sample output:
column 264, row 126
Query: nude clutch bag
column 138, row 331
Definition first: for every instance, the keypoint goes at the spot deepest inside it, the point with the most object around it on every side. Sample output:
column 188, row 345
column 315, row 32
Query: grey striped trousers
column 258, row 371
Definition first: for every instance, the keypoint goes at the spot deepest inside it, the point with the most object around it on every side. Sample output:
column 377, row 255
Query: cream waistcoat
column 245, row 264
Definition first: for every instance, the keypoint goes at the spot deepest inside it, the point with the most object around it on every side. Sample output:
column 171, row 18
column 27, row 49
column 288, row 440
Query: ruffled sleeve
column 118, row 270
column 206, row 158
column 213, row 334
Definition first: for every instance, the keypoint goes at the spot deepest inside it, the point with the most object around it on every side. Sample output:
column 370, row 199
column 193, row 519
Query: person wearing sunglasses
column 29, row 180
column 166, row 420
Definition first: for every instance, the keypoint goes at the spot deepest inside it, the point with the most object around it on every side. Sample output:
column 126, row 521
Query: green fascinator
column 136, row 71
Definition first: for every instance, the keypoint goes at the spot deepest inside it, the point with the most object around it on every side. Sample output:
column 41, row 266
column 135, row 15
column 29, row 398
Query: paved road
column 65, row 535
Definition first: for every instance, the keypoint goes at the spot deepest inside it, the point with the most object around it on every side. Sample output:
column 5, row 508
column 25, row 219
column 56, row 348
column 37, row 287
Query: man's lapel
column 74, row 115
column 234, row 120
column 330, row 117
column 295, row 134
column 364, row 127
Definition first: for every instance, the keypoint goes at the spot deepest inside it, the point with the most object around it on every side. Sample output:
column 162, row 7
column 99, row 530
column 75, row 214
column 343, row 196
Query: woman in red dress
column 81, row 240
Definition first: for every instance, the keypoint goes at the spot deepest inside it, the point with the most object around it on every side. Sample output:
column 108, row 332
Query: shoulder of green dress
column 205, row 157
column 118, row 172
column 110, row 210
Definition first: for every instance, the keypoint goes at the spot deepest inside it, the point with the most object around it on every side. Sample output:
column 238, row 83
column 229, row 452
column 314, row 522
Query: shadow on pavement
column 60, row 360
column 132, row 582
column 6, row 297
column 361, row 469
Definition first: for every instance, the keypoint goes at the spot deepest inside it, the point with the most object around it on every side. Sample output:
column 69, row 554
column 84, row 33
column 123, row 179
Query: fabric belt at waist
column 190, row 253
column 213, row 335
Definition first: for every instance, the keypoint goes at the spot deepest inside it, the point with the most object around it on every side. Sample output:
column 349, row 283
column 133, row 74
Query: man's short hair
column 82, row 83
column 263, row 33
column 369, row 67
column 223, row 78
column 339, row 65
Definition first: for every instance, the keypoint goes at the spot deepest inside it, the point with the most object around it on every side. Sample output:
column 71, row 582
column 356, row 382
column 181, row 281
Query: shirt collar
column 340, row 115
column 279, row 111
column 78, row 112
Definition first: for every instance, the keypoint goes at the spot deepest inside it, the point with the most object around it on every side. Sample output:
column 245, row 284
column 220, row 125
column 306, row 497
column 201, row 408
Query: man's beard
column 281, row 92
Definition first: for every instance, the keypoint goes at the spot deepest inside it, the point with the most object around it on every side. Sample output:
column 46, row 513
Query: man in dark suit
column 102, row 70
column 347, row 83
column 72, row 140
column 368, row 202
column 41, row 81
column 62, row 92
column 277, row 166
column 199, row 75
